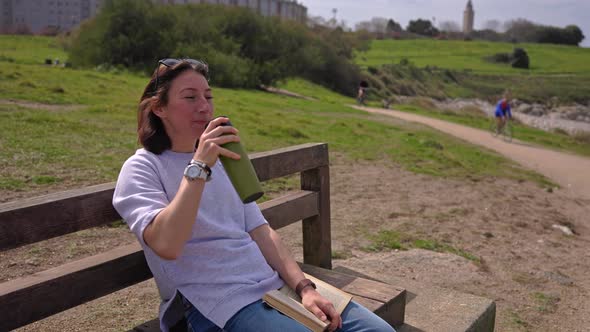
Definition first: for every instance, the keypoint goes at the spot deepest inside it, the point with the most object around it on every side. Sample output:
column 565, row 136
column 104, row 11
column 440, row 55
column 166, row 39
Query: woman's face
column 189, row 108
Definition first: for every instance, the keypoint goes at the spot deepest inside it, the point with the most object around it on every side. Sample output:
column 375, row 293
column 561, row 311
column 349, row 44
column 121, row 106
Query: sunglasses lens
column 193, row 62
column 169, row 62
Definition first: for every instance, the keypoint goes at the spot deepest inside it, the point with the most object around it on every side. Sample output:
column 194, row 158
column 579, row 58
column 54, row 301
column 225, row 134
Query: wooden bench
column 34, row 297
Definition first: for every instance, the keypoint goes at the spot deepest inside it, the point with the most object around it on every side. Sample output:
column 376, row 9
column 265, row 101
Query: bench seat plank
column 385, row 300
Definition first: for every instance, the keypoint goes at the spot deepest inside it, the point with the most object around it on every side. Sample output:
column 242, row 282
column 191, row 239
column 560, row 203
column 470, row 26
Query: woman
column 212, row 257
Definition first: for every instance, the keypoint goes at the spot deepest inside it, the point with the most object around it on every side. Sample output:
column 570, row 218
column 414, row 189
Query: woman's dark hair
column 151, row 133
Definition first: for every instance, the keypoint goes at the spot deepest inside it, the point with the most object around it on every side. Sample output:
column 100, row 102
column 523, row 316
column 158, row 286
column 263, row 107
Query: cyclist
column 502, row 113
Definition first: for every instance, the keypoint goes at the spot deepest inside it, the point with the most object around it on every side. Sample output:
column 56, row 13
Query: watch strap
column 302, row 284
column 202, row 165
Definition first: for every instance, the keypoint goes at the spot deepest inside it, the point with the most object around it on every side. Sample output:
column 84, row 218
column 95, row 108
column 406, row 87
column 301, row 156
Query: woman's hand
column 321, row 308
column 210, row 142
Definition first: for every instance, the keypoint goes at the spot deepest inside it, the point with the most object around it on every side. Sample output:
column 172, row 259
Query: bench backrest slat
column 41, row 218
column 294, row 159
column 43, row 294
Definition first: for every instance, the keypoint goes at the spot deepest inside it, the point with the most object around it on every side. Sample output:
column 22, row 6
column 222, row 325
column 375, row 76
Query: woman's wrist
column 303, row 286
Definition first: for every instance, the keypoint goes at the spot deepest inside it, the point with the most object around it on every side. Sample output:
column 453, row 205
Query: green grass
column 30, row 49
column 556, row 140
column 518, row 322
column 469, row 55
column 315, row 91
column 393, row 240
column 546, row 303
column 88, row 139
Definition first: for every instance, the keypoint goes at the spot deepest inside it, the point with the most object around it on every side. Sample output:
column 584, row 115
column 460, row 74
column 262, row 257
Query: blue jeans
column 259, row 317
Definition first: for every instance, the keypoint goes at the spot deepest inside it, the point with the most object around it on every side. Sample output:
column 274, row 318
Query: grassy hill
column 458, row 69
column 470, row 55
column 64, row 127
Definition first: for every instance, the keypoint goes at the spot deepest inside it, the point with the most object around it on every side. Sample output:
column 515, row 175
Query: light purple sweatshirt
column 221, row 269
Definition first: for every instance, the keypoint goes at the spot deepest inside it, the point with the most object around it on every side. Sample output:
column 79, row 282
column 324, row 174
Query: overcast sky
column 550, row 12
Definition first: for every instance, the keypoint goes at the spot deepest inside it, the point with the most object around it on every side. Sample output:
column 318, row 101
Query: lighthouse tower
column 468, row 17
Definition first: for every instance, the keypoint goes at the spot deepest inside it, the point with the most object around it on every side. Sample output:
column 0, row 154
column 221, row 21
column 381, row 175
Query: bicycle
column 506, row 131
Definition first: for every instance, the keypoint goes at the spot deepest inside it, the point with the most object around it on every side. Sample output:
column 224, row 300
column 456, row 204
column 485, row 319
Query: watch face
column 193, row 172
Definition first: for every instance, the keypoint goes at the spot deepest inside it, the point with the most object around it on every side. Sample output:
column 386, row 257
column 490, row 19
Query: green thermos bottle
column 241, row 172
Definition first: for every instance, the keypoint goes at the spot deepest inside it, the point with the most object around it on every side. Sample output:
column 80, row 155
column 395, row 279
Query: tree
column 526, row 31
column 575, row 34
column 393, row 26
column 449, row 26
column 493, row 25
column 126, row 32
column 520, row 30
column 422, row 27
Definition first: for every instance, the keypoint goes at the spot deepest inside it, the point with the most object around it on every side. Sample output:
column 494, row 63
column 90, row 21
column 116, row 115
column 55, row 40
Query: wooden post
column 317, row 240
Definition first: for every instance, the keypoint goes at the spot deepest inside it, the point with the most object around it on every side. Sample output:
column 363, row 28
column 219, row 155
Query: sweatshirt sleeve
column 253, row 216
column 139, row 195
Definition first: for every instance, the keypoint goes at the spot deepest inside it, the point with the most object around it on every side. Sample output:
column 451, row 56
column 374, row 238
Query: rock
column 566, row 230
column 553, row 102
column 516, row 102
column 524, row 108
column 32, row 262
column 559, row 277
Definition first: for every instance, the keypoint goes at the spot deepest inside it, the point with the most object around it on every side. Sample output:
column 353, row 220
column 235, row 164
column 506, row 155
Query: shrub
column 242, row 48
column 500, row 58
column 520, row 59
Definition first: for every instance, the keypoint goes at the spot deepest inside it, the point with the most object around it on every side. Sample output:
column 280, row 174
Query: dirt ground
column 537, row 274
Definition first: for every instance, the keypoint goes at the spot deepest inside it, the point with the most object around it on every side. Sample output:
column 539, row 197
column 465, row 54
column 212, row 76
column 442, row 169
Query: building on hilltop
column 468, row 18
column 44, row 16
column 38, row 16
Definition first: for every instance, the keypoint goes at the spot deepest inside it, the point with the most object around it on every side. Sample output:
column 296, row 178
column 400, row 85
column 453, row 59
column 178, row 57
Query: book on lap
column 288, row 302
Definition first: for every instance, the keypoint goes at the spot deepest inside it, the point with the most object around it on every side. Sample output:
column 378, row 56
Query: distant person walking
column 362, row 93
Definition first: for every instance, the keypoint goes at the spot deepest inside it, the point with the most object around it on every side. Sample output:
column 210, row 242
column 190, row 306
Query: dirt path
column 569, row 171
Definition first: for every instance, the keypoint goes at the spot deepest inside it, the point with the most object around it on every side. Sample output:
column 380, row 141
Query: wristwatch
column 197, row 170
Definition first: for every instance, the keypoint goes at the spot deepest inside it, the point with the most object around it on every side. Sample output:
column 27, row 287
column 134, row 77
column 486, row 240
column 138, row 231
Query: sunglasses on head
column 170, row 62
